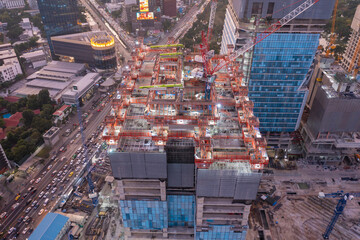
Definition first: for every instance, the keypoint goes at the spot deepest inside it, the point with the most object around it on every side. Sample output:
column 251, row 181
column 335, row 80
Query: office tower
column 351, row 56
column 186, row 167
column 276, row 69
column 59, row 17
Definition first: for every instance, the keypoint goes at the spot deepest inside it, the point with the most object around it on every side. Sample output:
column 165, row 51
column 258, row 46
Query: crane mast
column 333, row 35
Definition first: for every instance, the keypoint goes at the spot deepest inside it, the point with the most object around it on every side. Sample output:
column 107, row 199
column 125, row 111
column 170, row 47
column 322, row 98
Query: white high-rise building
column 351, row 56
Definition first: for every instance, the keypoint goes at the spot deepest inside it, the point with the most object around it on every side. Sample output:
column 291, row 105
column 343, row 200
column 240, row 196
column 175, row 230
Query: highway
column 103, row 25
column 66, row 166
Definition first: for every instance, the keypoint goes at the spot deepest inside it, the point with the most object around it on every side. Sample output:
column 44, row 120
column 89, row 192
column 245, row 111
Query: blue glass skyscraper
column 59, row 17
column 277, row 67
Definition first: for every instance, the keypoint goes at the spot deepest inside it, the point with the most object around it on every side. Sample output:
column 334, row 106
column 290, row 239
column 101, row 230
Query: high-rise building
column 169, row 8
column 59, row 17
column 351, row 56
column 277, row 67
column 186, row 167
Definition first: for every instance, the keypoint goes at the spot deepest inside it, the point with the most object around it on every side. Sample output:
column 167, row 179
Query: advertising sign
column 144, row 5
column 145, row 16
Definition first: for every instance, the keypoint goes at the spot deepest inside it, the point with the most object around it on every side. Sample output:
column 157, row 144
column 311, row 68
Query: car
column 36, row 206
column 41, row 194
column 26, row 219
column 48, row 186
column 77, row 135
column 72, row 141
column 61, row 149
column 41, row 211
column 34, row 203
column 53, row 173
column 44, row 172
column 54, row 190
column 46, row 202
column 11, row 230
column 28, row 210
column 46, row 194
column 30, row 188
column 63, row 159
column 3, row 215
column 25, row 195
column 25, row 230
column 15, row 206
column 21, row 219
column 38, row 180
column 32, row 181
column 49, row 167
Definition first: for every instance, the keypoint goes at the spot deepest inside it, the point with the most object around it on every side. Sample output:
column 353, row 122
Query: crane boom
column 333, row 35
column 211, row 20
column 273, row 28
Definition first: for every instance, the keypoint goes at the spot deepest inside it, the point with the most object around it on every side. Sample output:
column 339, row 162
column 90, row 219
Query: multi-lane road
column 50, row 184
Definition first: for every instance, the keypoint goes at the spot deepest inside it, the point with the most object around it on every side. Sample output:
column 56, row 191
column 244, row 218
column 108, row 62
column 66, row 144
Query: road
column 65, row 166
column 101, row 23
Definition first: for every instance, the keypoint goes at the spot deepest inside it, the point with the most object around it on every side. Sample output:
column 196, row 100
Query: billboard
column 145, row 16
column 144, row 5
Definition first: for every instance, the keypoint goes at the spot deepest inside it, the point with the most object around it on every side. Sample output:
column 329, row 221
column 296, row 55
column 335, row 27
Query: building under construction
column 186, row 149
column 185, row 165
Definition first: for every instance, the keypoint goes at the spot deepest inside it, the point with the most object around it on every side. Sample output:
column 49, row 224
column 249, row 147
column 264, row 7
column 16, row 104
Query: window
column 256, row 8
column 270, row 9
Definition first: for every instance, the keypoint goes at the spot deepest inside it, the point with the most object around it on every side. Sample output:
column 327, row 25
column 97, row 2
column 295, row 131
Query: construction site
column 187, row 154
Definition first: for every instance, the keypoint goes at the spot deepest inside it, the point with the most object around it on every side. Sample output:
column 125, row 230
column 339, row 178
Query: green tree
column 35, row 137
column 2, row 123
column 22, row 102
column 33, row 102
column 44, row 97
column 47, row 111
column 28, row 116
column 12, row 107
column 41, row 124
column 14, row 32
column 19, row 151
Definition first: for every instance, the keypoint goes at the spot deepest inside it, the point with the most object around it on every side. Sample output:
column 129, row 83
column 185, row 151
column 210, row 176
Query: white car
column 25, row 230
column 41, row 211
column 54, row 190
column 77, row 135
column 38, row 180
column 49, row 167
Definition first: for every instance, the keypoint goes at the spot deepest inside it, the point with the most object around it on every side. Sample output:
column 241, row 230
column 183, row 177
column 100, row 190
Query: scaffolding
column 161, row 101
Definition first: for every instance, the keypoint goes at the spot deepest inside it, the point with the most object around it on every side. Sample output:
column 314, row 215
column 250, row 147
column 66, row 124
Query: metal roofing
column 50, row 227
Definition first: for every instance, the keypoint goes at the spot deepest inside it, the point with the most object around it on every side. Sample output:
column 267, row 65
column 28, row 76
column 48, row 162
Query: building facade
column 12, row 4
column 277, row 67
column 169, row 8
column 9, row 65
column 59, row 17
column 351, row 56
column 331, row 133
column 96, row 48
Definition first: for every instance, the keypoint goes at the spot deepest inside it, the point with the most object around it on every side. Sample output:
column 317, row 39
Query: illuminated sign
column 144, row 5
column 145, row 16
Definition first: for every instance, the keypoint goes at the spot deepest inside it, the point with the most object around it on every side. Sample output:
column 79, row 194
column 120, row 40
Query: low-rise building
column 52, row 227
column 56, row 77
column 61, row 113
column 36, row 59
column 9, row 64
column 12, row 4
column 81, row 90
column 51, row 137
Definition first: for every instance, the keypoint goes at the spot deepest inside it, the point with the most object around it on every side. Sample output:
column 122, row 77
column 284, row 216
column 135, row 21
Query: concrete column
column 121, row 190
column 163, row 191
column 199, row 210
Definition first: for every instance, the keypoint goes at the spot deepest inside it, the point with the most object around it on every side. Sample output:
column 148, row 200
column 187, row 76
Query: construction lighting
column 218, row 105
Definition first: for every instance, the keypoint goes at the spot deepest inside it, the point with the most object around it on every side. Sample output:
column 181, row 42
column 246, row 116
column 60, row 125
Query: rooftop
column 79, row 38
column 50, row 227
column 51, row 131
column 61, row 110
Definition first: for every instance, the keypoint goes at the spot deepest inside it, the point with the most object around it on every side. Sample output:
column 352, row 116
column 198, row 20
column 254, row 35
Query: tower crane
column 92, row 193
column 333, row 34
column 344, row 197
column 207, row 55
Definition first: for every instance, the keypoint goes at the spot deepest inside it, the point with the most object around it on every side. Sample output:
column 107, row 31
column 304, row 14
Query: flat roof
column 25, row 91
column 58, row 66
column 33, row 54
column 9, row 53
column 79, row 38
column 48, row 84
column 50, row 227
column 85, row 82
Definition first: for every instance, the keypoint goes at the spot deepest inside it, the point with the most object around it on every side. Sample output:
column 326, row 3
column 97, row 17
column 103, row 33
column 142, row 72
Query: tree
column 47, row 111
column 33, row 102
column 41, row 124
column 2, row 123
column 22, row 102
column 19, row 151
column 28, row 116
column 15, row 32
column 12, row 107
column 44, row 97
